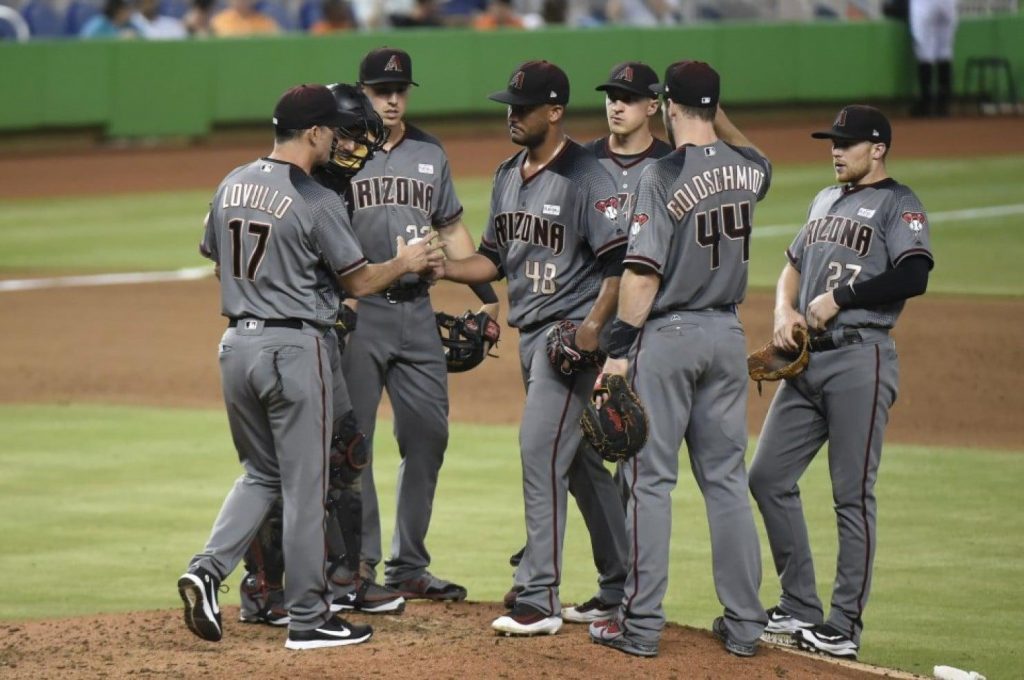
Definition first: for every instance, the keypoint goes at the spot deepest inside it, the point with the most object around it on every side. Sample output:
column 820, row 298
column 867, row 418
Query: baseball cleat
column 591, row 610
column 198, row 590
column 428, row 587
column 610, row 633
column 825, row 639
column 271, row 617
column 370, row 598
column 782, row 628
column 335, row 632
column 732, row 645
column 509, row 600
column 526, row 620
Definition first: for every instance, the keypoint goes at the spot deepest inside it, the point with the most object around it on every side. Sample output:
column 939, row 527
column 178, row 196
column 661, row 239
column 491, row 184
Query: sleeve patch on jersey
column 915, row 220
column 639, row 220
column 866, row 212
column 553, row 210
column 609, row 207
column 426, row 169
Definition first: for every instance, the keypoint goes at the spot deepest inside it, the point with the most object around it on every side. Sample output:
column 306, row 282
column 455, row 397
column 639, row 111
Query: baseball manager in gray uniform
column 678, row 336
column 864, row 250
column 282, row 245
column 553, row 232
column 406, row 190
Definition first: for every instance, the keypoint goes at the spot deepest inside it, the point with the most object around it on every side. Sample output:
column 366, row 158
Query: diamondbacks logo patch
column 394, row 64
column 639, row 220
column 916, row 221
column 625, row 75
column 609, row 207
column 517, row 80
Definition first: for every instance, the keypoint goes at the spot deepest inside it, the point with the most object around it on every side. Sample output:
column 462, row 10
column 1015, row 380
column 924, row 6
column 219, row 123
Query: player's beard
column 668, row 123
column 532, row 140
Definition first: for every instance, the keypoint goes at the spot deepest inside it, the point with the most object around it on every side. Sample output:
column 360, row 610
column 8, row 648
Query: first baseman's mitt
column 774, row 363
column 467, row 339
column 563, row 353
column 618, row 429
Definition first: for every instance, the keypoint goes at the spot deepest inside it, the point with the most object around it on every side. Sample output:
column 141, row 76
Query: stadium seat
column 278, row 11
column 310, row 12
column 174, row 8
column 42, row 19
column 78, row 13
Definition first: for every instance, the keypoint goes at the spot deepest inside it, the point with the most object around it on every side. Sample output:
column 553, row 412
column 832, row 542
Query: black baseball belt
column 406, row 293
column 835, row 340
column 267, row 323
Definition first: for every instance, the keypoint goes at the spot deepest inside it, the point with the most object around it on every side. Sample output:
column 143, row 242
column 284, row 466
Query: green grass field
column 160, row 231
column 86, row 491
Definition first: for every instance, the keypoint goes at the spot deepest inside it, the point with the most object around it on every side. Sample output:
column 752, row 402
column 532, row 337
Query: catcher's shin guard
column 349, row 456
column 262, row 589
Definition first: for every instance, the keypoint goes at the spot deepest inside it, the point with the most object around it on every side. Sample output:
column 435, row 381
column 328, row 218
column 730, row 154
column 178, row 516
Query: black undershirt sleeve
column 909, row 278
column 611, row 262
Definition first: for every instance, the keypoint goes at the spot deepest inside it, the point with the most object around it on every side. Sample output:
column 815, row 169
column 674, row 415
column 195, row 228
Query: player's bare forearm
column 456, row 241
column 473, row 269
column 604, row 306
column 418, row 258
column 729, row 133
column 787, row 292
column 636, row 295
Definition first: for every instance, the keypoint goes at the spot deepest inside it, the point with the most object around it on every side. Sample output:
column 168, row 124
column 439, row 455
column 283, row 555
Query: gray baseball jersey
column 402, row 192
column 545, row 235
column 626, row 170
column 691, row 225
column 278, row 237
column 843, row 397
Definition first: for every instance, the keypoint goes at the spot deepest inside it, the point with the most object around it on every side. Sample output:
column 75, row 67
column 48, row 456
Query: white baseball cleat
column 525, row 619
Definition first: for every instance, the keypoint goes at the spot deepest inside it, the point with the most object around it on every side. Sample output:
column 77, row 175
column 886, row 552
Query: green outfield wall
column 133, row 88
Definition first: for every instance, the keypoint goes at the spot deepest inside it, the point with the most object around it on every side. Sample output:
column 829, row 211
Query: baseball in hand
column 414, row 241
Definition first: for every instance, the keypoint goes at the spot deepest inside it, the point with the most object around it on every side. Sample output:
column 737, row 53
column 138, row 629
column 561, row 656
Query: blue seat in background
column 278, row 12
column 310, row 12
column 77, row 15
column 174, row 8
column 42, row 19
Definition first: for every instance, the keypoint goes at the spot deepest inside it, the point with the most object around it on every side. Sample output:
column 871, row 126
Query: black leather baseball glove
column 467, row 339
column 618, row 429
column 563, row 353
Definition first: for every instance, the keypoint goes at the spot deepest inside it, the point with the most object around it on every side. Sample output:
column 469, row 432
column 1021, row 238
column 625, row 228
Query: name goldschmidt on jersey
column 255, row 197
column 711, row 182
column 842, row 231
column 529, row 228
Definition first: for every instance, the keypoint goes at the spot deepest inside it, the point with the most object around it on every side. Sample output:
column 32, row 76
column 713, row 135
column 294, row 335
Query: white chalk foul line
column 944, row 216
column 187, row 274
column 194, row 273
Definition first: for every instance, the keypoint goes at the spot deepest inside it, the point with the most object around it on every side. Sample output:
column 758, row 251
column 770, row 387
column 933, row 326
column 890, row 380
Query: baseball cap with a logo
column 632, row 76
column 306, row 106
column 533, row 83
column 386, row 65
column 690, row 83
column 859, row 123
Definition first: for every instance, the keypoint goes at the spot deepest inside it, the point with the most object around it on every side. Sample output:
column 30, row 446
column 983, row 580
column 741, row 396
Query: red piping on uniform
column 632, row 489
column 554, row 501
column 323, row 460
column 614, row 243
column 615, row 158
column 547, row 165
column 864, row 488
column 645, row 261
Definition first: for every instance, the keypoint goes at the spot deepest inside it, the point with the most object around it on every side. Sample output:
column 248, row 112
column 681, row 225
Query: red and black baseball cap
column 386, row 65
column 859, row 123
column 632, row 76
column 533, row 83
column 306, row 106
column 690, row 83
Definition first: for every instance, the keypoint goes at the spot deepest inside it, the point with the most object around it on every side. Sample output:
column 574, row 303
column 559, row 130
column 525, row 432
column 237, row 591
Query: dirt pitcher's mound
column 429, row 640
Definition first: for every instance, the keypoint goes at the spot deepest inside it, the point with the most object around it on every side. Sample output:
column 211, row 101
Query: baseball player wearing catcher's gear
column 283, row 245
column 678, row 338
column 864, row 250
column 553, row 231
column 405, row 190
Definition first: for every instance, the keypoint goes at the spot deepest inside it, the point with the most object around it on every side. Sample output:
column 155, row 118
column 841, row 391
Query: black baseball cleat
column 515, row 559
column 335, row 632
column 370, row 598
column 825, row 639
column 198, row 590
column 732, row 645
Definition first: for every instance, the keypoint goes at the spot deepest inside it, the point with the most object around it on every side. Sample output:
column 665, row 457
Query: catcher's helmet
column 363, row 126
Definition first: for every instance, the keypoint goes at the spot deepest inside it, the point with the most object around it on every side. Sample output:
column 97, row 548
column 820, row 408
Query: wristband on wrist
column 621, row 338
column 485, row 292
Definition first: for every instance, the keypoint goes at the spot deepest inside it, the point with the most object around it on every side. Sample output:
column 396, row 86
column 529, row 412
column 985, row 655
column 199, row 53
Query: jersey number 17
column 260, row 231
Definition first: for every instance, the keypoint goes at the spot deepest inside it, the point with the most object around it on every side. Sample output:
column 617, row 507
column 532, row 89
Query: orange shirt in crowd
column 231, row 22
column 487, row 22
column 323, row 27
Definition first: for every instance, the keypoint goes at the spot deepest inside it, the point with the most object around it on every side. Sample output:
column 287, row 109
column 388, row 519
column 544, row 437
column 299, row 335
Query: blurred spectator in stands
column 197, row 19
column 424, row 14
column 115, row 21
column 156, row 26
column 932, row 28
column 337, row 17
column 641, row 12
column 499, row 14
column 242, row 18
